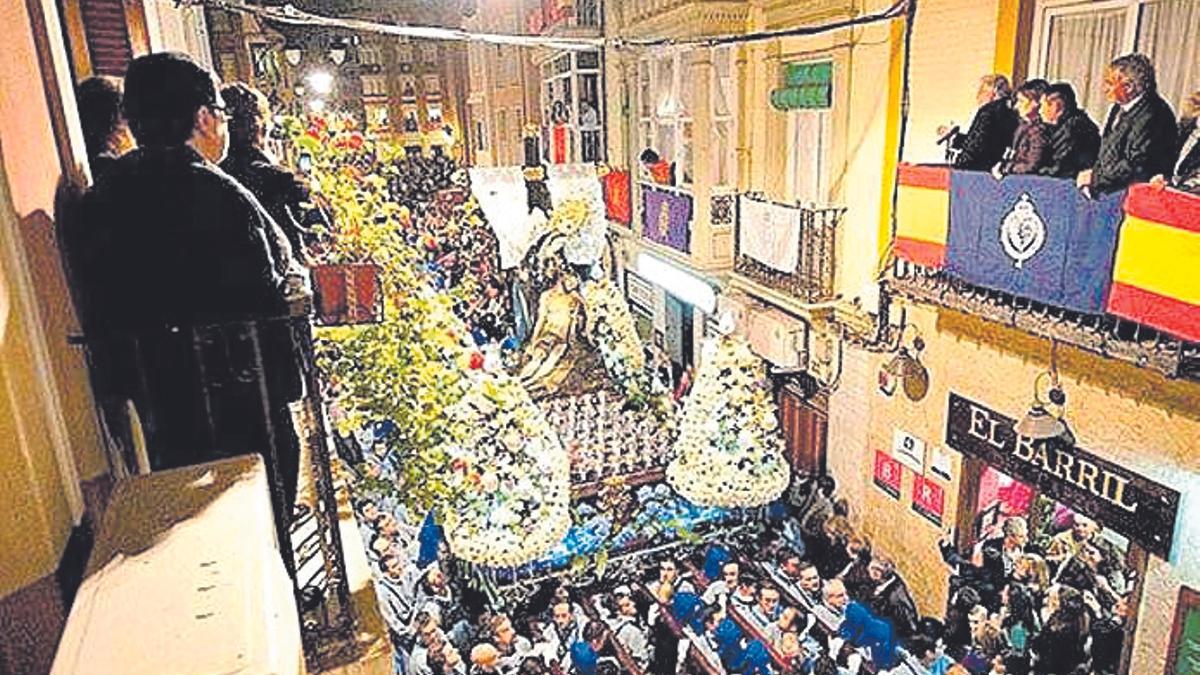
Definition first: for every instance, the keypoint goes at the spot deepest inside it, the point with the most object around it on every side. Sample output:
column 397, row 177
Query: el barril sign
column 1117, row 498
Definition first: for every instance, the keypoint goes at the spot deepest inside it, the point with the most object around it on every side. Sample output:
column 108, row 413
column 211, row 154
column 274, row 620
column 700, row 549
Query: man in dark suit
column 1139, row 137
column 1074, row 137
column 992, row 129
column 182, row 251
column 890, row 600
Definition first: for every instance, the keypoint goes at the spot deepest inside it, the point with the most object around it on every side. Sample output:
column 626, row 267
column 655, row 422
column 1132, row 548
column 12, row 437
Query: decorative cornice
column 690, row 19
column 786, row 13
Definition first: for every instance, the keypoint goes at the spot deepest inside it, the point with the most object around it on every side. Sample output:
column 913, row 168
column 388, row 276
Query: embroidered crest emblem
column 1022, row 232
column 664, row 221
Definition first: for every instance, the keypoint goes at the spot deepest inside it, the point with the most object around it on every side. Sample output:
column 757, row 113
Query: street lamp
column 320, row 81
column 337, row 51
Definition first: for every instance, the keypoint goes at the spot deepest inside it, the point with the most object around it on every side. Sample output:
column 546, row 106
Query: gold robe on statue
column 558, row 329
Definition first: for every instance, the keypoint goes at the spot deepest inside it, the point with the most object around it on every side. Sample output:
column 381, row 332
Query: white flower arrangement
column 729, row 452
column 510, row 474
column 615, row 337
column 584, row 230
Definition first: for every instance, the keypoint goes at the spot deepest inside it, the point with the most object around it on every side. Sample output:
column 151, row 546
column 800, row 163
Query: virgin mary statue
column 557, row 341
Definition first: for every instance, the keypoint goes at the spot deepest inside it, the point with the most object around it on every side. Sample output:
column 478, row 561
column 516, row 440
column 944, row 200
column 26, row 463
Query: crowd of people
column 165, row 238
column 804, row 593
column 417, row 176
column 1040, row 129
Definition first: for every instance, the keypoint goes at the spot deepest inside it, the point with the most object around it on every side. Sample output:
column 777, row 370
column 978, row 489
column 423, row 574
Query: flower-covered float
column 729, row 451
column 509, row 475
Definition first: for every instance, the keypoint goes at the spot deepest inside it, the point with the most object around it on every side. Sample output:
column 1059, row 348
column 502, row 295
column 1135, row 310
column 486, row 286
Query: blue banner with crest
column 1034, row 237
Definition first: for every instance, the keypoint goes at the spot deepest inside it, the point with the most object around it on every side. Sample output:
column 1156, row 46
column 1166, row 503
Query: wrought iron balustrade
column 813, row 278
column 201, row 392
column 1102, row 334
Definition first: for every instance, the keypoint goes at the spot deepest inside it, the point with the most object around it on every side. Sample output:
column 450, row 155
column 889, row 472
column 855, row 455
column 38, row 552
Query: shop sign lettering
column 1120, row 499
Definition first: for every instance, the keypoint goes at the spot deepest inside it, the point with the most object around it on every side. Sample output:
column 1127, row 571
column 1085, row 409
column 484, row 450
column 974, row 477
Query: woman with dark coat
column 1059, row 647
column 1028, row 150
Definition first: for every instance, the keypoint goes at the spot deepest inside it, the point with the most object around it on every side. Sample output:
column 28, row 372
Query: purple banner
column 666, row 217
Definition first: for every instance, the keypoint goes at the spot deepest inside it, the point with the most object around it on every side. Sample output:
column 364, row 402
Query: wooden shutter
column 106, row 32
column 805, row 430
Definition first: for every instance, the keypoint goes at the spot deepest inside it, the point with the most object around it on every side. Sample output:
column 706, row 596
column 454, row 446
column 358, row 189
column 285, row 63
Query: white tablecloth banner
column 501, row 194
column 579, row 181
column 770, row 233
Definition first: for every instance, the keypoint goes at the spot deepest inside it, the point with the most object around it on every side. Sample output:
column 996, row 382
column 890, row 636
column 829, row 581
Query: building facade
column 53, row 465
column 571, row 85
column 501, row 95
column 816, row 127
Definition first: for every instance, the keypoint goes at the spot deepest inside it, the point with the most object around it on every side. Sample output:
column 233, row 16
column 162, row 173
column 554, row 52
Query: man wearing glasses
column 182, row 247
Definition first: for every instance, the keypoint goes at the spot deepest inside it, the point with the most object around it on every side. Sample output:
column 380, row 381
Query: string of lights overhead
column 289, row 14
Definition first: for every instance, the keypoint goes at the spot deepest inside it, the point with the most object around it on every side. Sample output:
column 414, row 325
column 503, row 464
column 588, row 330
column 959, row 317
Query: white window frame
column 730, row 88
column 375, row 86
column 1047, row 10
column 820, row 160
column 573, row 74
column 677, row 118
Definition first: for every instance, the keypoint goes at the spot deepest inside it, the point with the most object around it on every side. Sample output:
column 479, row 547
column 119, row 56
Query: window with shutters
column 107, row 35
column 370, row 55
column 374, row 86
column 806, row 97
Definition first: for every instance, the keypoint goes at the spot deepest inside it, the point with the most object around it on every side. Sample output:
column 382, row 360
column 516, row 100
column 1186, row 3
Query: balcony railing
column 552, row 15
column 211, row 391
column 1106, row 335
column 1029, row 253
column 811, row 277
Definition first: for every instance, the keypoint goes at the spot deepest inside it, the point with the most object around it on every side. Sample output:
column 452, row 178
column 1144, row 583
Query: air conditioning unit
column 778, row 337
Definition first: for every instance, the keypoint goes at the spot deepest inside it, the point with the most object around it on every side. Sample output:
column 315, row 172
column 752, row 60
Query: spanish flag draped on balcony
column 1155, row 280
column 922, row 214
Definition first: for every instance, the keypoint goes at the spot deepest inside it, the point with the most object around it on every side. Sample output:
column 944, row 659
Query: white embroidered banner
column 579, row 181
column 770, row 233
column 501, row 194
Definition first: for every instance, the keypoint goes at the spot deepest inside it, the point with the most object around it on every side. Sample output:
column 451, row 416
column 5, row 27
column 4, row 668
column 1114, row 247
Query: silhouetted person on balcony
column 107, row 137
column 280, row 191
column 1028, row 150
column 1140, row 134
column 183, row 254
column 105, row 132
column 1074, row 137
column 991, row 131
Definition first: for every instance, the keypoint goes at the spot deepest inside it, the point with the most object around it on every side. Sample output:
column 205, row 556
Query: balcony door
column 805, row 425
column 1075, row 39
